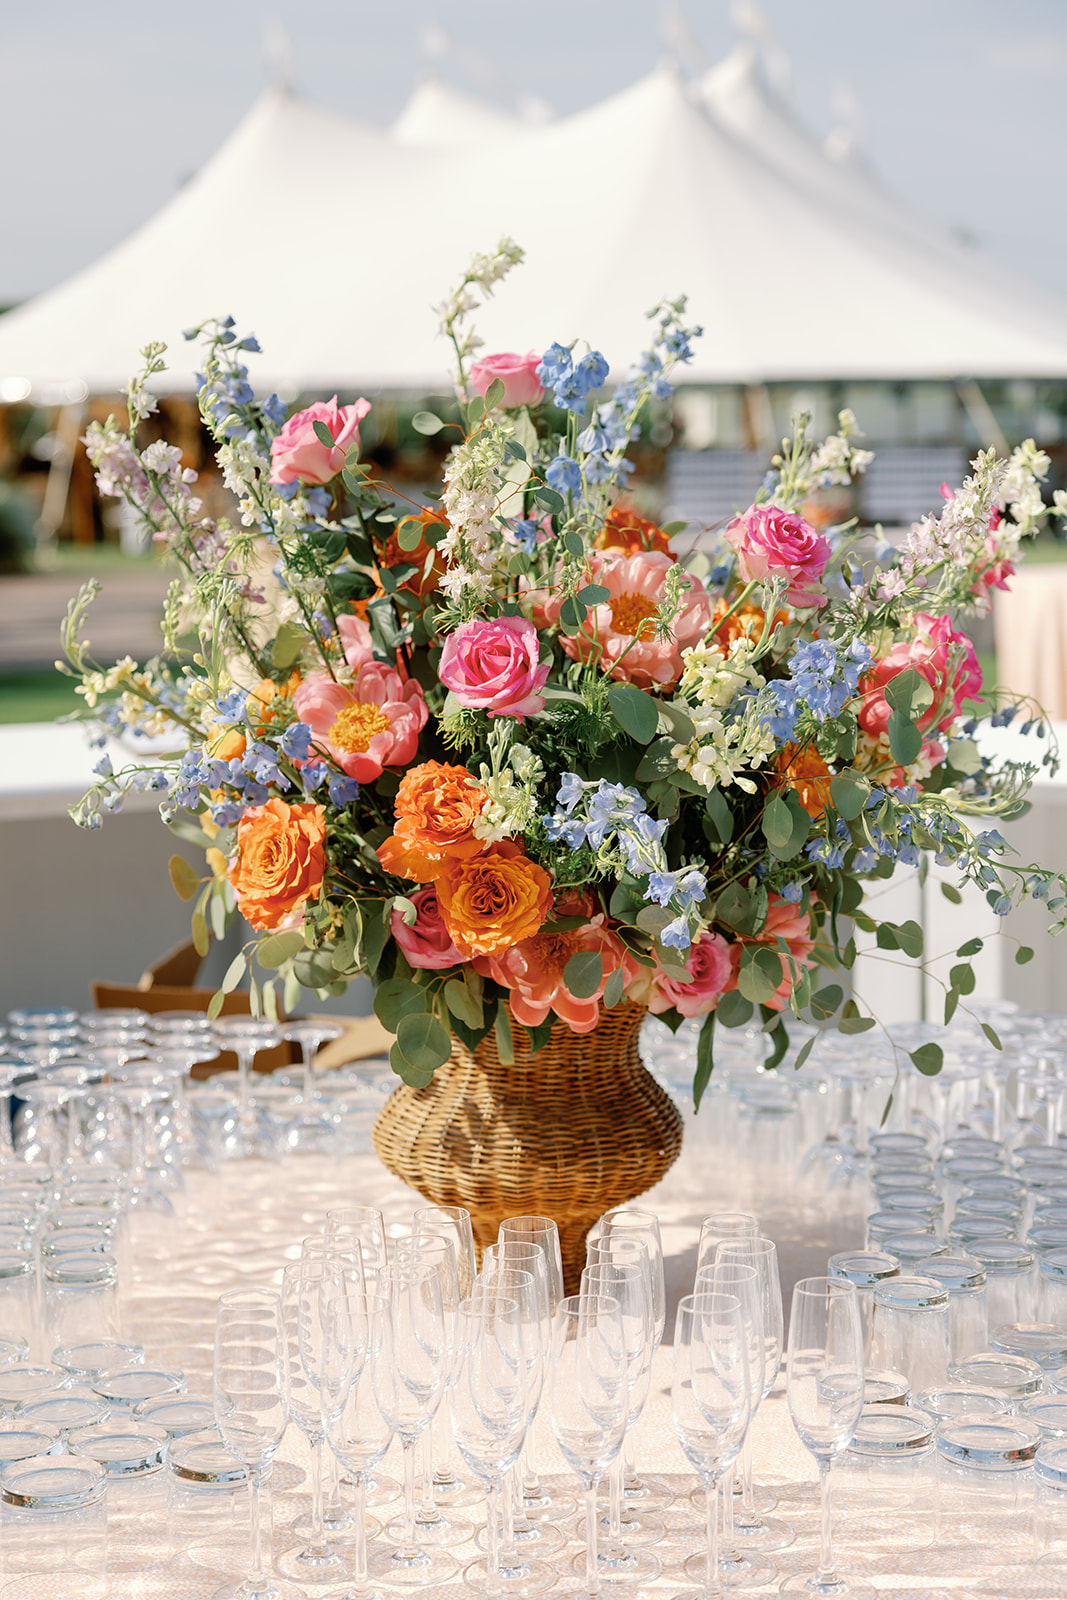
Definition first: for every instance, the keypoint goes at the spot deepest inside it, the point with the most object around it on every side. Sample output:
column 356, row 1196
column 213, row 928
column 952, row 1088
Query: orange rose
column 745, row 623
column 222, row 744
column 280, row 861
column 490, row 902
column 270, row 703
column 624, row 530
column 436, row 808
column 804, row 770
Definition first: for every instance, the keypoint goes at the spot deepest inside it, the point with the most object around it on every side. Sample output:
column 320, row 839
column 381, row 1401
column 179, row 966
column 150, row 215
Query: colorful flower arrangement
column 521, row 744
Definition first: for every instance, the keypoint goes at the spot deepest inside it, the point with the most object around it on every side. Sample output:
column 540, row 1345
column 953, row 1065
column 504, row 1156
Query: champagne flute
column 710, row 1396
column 626, row 1280
column 358, row 1398
column 720, row 1226
column 368, row 1226
column 452, row 1223
column 824, row 1391
column 489, row 1407
column 250, row 1380
column 757, row 1532
column 527, row 1229
column 312, row 1561
column 423, row 1357
column 317, row 1251
column 588, row 1400
column 642, row 1494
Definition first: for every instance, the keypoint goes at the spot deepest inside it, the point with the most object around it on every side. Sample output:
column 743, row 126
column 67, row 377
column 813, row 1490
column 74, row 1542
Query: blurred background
column 861, row 203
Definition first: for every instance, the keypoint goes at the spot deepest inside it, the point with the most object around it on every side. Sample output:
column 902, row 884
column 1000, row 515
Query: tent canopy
column 333, row 242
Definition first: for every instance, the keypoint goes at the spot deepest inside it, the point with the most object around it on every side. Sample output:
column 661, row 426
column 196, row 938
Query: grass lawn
column 39, row 696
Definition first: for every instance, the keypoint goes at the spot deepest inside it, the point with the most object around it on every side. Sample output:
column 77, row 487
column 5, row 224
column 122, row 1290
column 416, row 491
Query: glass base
column 447, row 1529
column 555, row 1503
column 647, row 1494
column 398, row 1571
column 457, row 1492
column 734, row 1569
column 536, row 1539
column 337, row 1530
column 621, row 1564
column 382, row 1489
column 272, row 1588
column 764, row 1501
column 518, row 1576
column 843, row 1588
column 306, row 1568
column 635, row 1529
column 766, row 1533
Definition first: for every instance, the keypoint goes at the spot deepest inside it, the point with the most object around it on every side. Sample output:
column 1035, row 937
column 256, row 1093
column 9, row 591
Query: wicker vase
column 568, row 1133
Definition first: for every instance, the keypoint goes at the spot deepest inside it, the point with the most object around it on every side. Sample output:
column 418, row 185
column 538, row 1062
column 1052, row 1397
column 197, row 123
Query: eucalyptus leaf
column 423, row 1040
column 705, row 1059
column 426, row 423
column 635, row 712
column 414, row 1077
column 234, row 973
column 584, row 974
column 928, row 1059
column 278, row 948
column 184, row 877
column 397, row 998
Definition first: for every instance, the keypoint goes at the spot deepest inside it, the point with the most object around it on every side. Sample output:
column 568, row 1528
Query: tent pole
column 68, row 425
column 980, row 412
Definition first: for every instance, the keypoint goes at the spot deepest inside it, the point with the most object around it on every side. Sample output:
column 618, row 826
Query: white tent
column 439, row 117
column 332, row 243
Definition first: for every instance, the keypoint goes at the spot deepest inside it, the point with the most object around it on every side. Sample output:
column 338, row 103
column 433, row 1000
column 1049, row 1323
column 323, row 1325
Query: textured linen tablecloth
column 243, row 1224
column 1030, row 622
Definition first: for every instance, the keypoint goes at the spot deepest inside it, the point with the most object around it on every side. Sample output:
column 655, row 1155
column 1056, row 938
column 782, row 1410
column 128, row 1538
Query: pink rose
column 620, row 633
column 947, row 661
column 710, row 973
column 772, row 543
column 426, row 943
column 298, row 454
column 494, row 664
column 518, row 374
column 373, row 723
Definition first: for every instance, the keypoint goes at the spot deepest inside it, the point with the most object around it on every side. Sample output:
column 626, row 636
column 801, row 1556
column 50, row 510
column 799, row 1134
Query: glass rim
column 911, row 1292
column 24, row 1484
column 888, row 1429
column 871, row 1266
column 1007, row 1444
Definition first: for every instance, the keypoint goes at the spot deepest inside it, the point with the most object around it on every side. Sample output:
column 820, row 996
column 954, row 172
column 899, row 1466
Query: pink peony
column 298, row 454
column 620, row 632
column 518, row 374
column 493, row 663
column 772, row 543
column 533, row 972
column 928, row 652
column 426, row 943
column 355, row 639
column 373, row 723
column 709, row 968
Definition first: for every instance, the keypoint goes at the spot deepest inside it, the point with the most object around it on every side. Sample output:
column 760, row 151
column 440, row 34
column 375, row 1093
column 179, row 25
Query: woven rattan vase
column 568, row 1133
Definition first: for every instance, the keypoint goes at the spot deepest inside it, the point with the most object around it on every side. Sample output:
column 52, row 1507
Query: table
column 241, row 1225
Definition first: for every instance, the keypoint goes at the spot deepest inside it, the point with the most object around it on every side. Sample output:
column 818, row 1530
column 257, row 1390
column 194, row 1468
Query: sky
column 105, row 110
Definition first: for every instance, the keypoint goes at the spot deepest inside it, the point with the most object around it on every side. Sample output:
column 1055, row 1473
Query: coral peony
column 533, row 971
column 494, row 900
column 620, row 632
column 493, row 663
column 518, row 374
column 436, row 809
column 804, row 770
column 426, row 943
column 279, row 862
column 772, row 543
column 624, row 529
column 298, row 455
column 947, row 661
column 373, row 723
column 355, row 638
column 784, row 921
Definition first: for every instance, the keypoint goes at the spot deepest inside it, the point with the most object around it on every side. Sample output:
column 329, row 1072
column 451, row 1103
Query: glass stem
column 592, row 1570
column 492, row 1541
column 826, row 1574
column 748, row 1492
column 428, row 1506
column 729, row 1553
column 443, row 1474
column 507, row 1498
column 408, row 1548
column 317, row 1536
column 244, row 1068
column 712, row 1580
column 615, row 1502
column 531, row 1483
column 308, row 1090
column 257, row 1577
column 7, row 1130
column 360, row 1580
column 521, row 1521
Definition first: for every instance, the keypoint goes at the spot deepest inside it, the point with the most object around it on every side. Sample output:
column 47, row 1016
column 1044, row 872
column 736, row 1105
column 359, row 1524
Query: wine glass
column 588, row 1393
column 490, row 1408
column 246, row 1037
column 625, row 1278
column 358, row 1397
column 250, row 1381
column 824, row 1391
column 710, row 1396
column 423, row 1356
column 302, row 1288
column 312, row 1133
column 758, row 1532
column 642, row 1494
